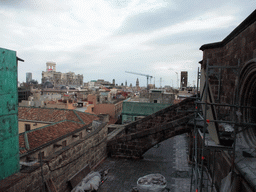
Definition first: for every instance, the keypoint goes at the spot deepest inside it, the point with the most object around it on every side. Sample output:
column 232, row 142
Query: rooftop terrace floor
column 169, row 159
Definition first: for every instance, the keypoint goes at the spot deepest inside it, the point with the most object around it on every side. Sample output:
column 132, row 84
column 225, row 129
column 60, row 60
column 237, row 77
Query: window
column 27, row 127
column 42, row 153
column 155, row 101
column 64, row 143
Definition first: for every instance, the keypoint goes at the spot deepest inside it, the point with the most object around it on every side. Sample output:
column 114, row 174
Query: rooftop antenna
column 177, row 80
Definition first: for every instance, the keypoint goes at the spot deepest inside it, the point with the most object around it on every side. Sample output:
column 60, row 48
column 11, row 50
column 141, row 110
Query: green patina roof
column 142, row 109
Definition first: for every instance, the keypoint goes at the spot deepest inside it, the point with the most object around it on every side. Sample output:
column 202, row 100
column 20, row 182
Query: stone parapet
column 61, row 165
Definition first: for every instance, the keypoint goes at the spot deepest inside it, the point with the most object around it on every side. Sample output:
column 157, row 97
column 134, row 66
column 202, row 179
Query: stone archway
column 247, row 95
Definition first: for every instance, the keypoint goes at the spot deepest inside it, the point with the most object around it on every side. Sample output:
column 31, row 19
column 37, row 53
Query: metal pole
column 204, row 130
column 177, row 80
column 213, row 169
column 219, row 85
column 193, row 165
column 194, row 148
column 230, row 122
column 41, row 164
column 208, row 168
column 228, row 105
column 235, row 127
column 147, row 82
column 196, row 144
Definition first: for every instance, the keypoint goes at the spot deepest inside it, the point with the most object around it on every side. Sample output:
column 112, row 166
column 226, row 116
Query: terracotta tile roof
column 46, row 134
column 22, row 143
column 87, row 117
column 112, row 120
column 51, row 102
column 64, row 122
column 53, row 115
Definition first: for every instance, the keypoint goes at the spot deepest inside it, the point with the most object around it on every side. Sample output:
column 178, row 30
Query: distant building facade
column 112, row 107
column 59, row 79
column 161, row 96
column 28, row 77
column 183, row 80
column 137, row 83
column 132, row 110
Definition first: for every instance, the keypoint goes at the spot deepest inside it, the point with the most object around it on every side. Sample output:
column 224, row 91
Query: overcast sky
column 102, row 39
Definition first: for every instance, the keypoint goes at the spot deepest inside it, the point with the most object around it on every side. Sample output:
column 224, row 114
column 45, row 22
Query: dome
column 48, row 84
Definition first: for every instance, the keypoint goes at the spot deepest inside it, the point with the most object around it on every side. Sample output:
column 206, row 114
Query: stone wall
column 105, row 109
column 235, row 50
column 134, row 139
column 62, row 165
column 238, row 49
column 55, row 146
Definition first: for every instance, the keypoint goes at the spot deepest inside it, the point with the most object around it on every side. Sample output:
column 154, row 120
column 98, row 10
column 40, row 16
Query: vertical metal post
column 220, row 70
column 204, row 130
column 213, row 169
column 193, row 166
column 219, row 85
column 235, row 119
column 200, row 184
column 194, row 153
column 208, row 168
column 197, row 83
column 147, row 82
column 194, row 170
column 196, row 143
column 41, row 164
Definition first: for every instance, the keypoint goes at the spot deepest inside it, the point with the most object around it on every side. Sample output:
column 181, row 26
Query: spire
column 137, row 83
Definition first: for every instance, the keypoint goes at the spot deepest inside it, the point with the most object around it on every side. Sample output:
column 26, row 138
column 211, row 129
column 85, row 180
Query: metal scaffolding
column 205, row 150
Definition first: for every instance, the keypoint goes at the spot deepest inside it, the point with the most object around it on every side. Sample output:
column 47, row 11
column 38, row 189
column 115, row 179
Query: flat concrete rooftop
column 168, row 159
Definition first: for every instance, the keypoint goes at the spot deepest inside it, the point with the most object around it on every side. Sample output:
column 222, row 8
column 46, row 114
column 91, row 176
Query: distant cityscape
column 58, row 88
column 52, row 78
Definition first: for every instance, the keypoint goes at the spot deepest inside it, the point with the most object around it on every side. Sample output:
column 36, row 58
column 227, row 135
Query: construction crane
column 141, row 75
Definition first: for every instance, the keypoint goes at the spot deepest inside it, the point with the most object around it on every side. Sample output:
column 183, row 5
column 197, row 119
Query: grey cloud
column 163, row 17
column 170, row 15
column 11, row 3
column 92, row 48
column 48, row 6
column 149, row 21
column 194, row 38
column 118, row 3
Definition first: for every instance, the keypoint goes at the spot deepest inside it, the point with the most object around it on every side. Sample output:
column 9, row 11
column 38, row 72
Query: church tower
column 137, row 83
